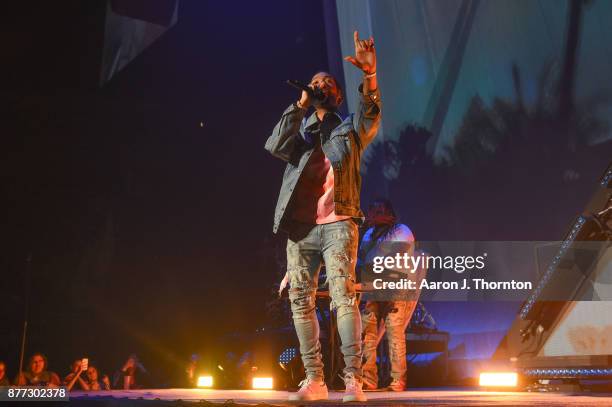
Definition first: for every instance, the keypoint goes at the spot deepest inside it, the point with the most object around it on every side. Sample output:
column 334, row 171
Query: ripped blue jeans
column 336, row 245
column 396, row 316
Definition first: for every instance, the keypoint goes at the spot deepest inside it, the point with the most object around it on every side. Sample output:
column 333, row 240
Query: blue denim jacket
column 291, row 142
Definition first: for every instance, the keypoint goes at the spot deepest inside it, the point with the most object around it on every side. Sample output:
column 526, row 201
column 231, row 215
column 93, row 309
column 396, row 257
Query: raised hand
column 365, row 55
column 305, row 99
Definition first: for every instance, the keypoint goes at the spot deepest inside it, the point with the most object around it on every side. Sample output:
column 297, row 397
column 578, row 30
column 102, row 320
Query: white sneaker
column 353, row 391
column 310, row 389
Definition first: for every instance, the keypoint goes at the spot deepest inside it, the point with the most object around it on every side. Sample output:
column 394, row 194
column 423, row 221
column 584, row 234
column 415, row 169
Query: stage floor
column 430, row 397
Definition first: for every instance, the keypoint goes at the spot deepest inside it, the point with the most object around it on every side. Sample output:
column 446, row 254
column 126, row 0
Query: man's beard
column 327, row 103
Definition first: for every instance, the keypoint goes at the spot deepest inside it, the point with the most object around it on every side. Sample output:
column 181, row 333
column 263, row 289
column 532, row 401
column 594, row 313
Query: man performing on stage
column 386, row 236
column 318, row 207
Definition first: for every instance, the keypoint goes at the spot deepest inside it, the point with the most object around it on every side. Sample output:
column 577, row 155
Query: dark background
column 148, row 232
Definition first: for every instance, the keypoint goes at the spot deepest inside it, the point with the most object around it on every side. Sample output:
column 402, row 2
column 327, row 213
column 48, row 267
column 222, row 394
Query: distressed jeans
column 396, row 315
column 335, row 244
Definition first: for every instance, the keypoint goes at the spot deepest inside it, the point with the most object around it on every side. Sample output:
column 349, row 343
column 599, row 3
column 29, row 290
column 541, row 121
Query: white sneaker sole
column 309, row 397
column 354, row 397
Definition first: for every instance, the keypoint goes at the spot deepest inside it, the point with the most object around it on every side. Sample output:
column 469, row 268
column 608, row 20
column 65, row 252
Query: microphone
column 314, row 93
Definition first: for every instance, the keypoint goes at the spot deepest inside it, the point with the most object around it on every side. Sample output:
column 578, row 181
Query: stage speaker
column 564, row 328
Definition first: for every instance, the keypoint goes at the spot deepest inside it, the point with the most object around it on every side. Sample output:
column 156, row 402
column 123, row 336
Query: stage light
column 287, row 356
column 205, row 381
column 262, row 383
column 552, row 267
column 567, row 373
column 498, row 379
column 220, row 367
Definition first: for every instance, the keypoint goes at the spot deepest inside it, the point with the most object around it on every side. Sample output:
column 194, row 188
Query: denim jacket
column 291, row 142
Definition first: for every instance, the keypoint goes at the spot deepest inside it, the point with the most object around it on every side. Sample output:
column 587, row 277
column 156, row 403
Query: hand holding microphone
column 309, row 93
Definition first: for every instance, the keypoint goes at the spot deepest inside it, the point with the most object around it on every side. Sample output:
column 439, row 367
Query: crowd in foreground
column 82, row 375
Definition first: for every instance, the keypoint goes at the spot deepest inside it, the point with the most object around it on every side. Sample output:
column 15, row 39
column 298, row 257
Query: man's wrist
column 369, row 75
column 370, row 83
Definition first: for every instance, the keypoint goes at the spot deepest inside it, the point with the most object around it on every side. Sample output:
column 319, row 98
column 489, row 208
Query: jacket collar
column 314, row 120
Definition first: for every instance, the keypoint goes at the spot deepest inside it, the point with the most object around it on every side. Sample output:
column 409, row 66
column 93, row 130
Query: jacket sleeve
column 368, row 115
column 286, row 136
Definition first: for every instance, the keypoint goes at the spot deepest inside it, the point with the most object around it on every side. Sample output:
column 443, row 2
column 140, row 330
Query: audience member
column 4, row 381
column 74, row 377
column 37, row 373
column 94, row 383
column 191, row 370
column 128, row 373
